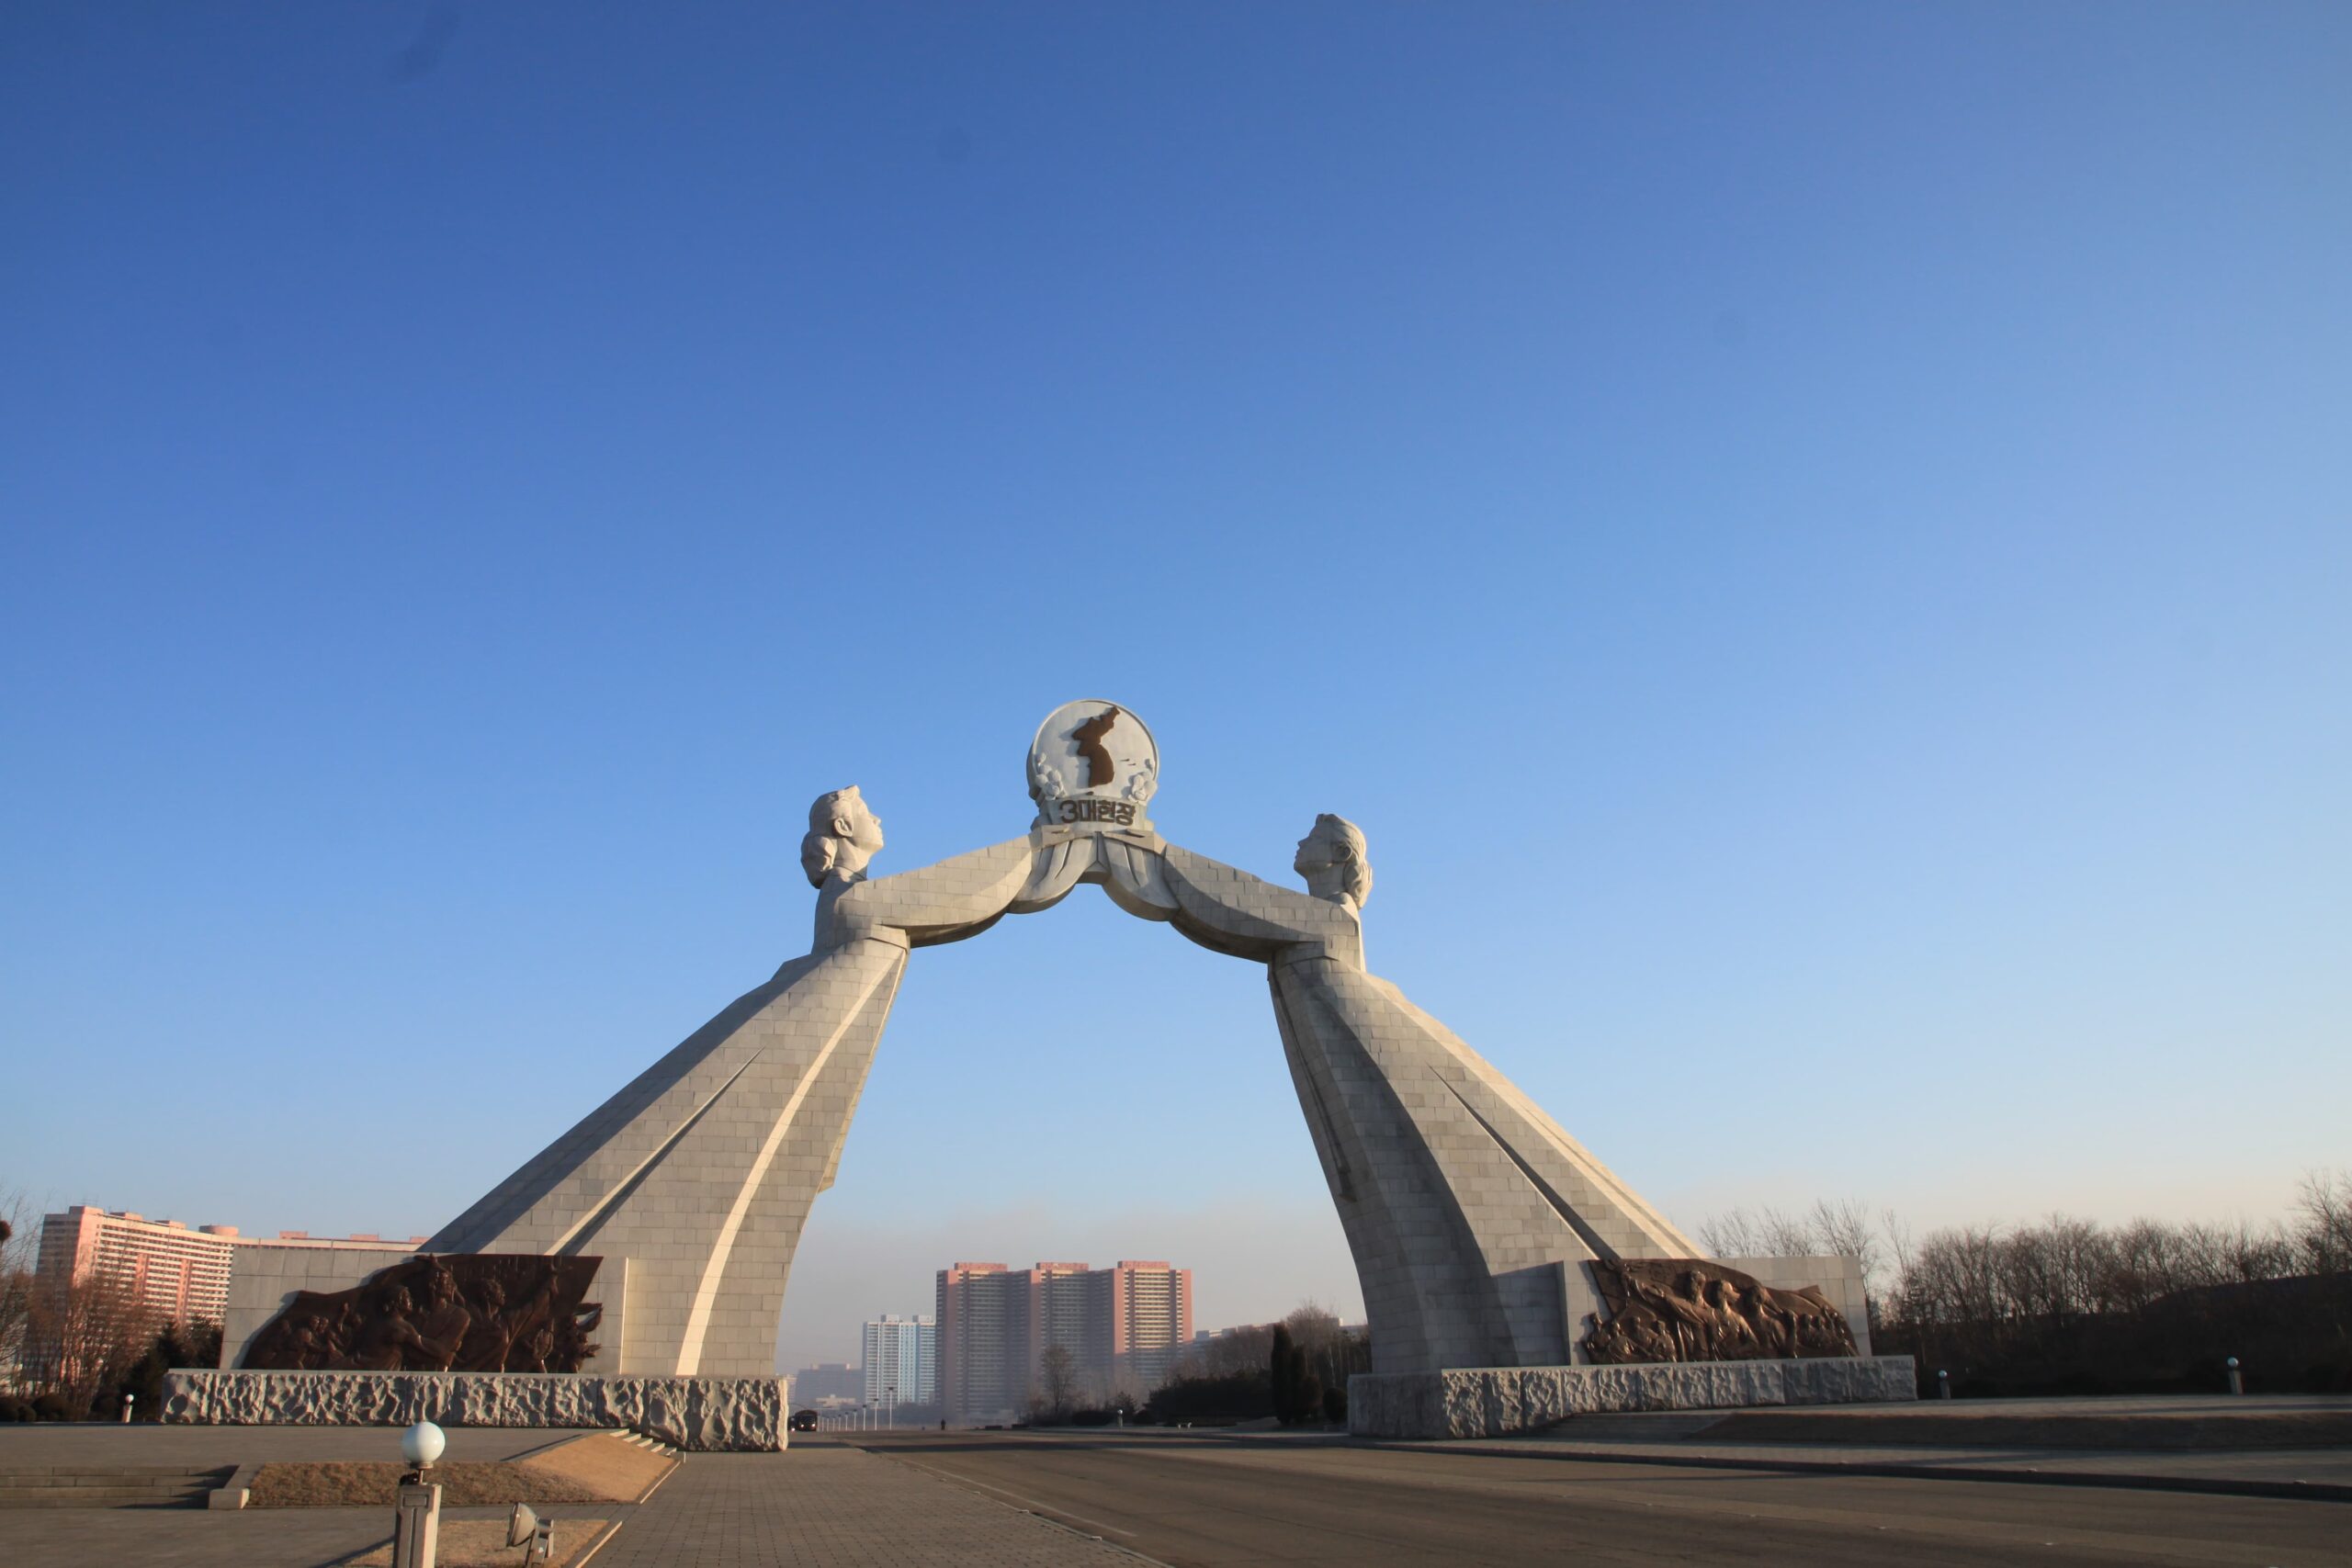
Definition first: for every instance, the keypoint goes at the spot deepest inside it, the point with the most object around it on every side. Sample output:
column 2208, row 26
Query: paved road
column 2179, row 1422
column 1202, row 1504
column 827, row 1506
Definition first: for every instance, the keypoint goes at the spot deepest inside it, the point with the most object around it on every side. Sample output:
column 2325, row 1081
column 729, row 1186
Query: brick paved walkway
column 837, row 1506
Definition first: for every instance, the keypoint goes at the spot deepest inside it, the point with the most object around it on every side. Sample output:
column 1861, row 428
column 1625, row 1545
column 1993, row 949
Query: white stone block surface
column 1496, row 1401
column 701, row 1414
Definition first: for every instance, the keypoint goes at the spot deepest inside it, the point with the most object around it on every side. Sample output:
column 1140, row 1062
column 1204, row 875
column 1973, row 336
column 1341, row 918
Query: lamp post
column 416, row 1514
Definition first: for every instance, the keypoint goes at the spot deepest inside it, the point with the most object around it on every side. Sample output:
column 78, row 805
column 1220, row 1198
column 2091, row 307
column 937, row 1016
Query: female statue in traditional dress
column 1470, row 1211
column 701, row 1170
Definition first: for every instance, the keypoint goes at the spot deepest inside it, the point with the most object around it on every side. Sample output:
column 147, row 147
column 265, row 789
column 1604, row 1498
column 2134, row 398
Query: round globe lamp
column 422, row 1444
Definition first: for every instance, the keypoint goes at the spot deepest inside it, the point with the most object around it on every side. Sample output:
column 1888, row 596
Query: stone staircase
column 110, row 1486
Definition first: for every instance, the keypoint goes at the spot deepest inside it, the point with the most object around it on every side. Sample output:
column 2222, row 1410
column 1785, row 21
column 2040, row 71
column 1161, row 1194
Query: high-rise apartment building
column 979, row 1306
column 180, row 1272
column 902, row 1362
column 1123, row 1326
column 1152, row 1322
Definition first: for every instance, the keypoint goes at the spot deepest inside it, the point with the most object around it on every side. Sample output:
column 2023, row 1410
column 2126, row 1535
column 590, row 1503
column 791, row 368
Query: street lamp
column 416, row 1514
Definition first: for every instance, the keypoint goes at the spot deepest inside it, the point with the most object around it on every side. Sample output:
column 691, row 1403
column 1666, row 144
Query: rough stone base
column 701, row 1414
column 1494, row 1402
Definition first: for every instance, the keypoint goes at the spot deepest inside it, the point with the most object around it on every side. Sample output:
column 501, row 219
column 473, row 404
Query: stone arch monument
column 1472, row 1215
column 1484, row 1235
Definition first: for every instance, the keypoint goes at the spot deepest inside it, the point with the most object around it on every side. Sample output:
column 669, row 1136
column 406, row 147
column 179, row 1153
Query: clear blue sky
column 1815, row 541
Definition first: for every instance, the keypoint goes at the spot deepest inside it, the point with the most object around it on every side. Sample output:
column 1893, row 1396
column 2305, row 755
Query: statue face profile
column 843, row 836
column 854, row 822
column 1333, row 859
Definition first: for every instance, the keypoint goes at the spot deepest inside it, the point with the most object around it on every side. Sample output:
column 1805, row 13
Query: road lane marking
column 1031, row 1503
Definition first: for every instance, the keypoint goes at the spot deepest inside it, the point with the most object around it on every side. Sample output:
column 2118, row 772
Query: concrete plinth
column 701, row 1414
column 1494, row 1402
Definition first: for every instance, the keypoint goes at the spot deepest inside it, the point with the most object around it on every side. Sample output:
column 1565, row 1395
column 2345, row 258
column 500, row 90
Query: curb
column 2304, row 1490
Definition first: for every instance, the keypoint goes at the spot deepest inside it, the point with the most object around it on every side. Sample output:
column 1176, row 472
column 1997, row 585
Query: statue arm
column 1229, row 910
column 958, row 898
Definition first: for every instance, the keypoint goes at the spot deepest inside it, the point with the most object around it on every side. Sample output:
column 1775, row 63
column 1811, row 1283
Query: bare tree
column 1055, row 1392
column 1332, row 1353
column 1732, row 1234
column 2143, row 1264
column 1233, row 1351
column 19, row 1253
column 2324, row 1200
column 2260, row 1252
column 1789, row 1236
column 1901, row 1244
column 82, row 1336
column 1843, row 1229
column 1764, row 1233
column 1313, row 1328
column 1829, row 1229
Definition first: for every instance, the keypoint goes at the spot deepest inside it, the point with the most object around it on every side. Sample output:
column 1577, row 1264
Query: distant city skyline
column 1121, row 1327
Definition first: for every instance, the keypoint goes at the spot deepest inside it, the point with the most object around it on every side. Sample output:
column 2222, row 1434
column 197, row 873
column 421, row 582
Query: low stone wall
column 1494, row 1402
column 701, row 1414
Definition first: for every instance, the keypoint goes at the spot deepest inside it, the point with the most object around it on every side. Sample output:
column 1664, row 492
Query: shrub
column 1236, row 1396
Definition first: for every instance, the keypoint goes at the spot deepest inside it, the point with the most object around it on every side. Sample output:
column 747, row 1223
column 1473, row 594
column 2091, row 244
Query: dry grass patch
column 481, row 1543
column 600, row 1469
column 613, row 1467
column 341, row 1483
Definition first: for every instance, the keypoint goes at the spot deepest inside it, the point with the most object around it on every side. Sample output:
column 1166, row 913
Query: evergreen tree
column 1286, row 1363
column 1305, row 1390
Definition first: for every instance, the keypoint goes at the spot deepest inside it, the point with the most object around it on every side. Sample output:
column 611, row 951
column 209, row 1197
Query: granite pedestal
column 1496, row 1401
column 700, row 1415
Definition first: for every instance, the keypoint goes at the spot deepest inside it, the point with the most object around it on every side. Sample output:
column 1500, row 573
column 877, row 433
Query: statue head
column 1333, row 859
column 844, row 835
